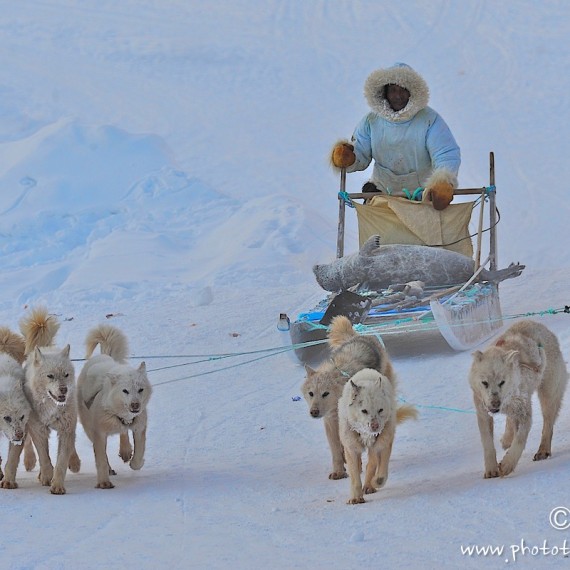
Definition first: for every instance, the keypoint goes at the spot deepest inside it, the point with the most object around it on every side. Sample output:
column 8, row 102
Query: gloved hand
column 440, row 194
column 342, row 155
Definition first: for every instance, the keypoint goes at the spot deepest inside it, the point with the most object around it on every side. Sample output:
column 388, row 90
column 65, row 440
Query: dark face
column 397, row 96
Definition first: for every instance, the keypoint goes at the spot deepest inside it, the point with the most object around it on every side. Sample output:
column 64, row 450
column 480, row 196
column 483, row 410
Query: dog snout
column 314, row 412
column 374, row 425
column 495, row 405
column 135, row 407
column 19, row 434
column 63, row 390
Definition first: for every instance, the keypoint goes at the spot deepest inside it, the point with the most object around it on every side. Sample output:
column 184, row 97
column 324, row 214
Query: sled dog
column 112, row 398
column 525, row 359
column 14, row 406
column 322, row 388
column 368, row 415
column 50, row 388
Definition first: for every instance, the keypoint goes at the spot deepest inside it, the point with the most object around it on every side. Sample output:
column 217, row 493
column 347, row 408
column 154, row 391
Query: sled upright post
column 341, row 215
column 492, row 215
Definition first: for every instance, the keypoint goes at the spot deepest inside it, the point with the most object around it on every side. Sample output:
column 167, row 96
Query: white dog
column 50, row 389
column 525, row 359
column 368, row 415
column 112, row 398
column 322, row 388
column 14, row 406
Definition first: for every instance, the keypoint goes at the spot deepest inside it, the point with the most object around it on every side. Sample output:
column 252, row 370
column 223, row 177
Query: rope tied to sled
column 405, row 325
column 343, row 195
column 415, row 196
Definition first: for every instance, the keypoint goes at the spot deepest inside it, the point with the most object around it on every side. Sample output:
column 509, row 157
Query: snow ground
column 163, row 167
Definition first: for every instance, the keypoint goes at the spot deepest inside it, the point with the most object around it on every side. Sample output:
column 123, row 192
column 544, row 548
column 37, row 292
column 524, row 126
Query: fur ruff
column 404, row 76
column 441, row 175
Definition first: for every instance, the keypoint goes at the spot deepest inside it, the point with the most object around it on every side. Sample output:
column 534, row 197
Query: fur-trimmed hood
column 399, row 74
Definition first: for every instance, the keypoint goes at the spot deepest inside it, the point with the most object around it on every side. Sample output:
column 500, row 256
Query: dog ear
column 38, row 356
column 478, row 355
column 355, row 387
column 310, row 372
column 142, row 367
column 112, row 378
column 65, row 352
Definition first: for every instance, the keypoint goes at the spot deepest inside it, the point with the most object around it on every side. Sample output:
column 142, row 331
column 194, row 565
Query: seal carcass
column 378, row 266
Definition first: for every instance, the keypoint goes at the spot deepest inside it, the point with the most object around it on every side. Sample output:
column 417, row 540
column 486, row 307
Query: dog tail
column 111, row 340
column 340, row 331
column 12, row 344
column 406, row 412
column 39, row 329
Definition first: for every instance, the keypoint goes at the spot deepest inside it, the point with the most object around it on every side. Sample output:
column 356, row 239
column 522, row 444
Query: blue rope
column 417, row 195
column 343, row 195
column 282, row 349
column 441, row 408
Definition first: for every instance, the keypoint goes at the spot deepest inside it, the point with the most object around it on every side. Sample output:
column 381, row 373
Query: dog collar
column 125, row 422
column 89, row 402
column 532, row 367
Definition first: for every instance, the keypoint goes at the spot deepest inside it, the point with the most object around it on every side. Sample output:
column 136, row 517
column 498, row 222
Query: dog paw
column 57, row 490
column 540, row 455
column 74, row 463
column 136, row 464
column 29, row 462
column 506, row 443
column 126, row 454
column 369, row 489
column 112, row 471
column 381, row 481
column 491, row 473
column 105, row 485
column 45, row 480
column 355, row 501
column 506, row 468
column 338, row 475
column 8, row 484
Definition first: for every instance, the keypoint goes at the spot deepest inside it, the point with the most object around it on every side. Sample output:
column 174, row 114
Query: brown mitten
column 440, row 194
column 342, row 155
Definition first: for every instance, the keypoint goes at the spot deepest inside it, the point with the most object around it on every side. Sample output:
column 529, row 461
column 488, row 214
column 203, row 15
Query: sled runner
column 409, row 240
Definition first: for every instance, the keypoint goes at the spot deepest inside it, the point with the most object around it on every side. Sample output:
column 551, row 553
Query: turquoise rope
column 345, row 198
column 442, row 408
column 417, row 195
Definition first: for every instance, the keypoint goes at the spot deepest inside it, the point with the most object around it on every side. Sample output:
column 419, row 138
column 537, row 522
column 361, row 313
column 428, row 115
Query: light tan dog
column 50, row 389
column 525, row 359
column 368, row 415
column 14, row 406
column 112, row 398
column 323, row 387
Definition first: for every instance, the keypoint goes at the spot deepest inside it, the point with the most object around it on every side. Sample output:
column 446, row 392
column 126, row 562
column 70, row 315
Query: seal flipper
column 370, row 245
column 498, row 275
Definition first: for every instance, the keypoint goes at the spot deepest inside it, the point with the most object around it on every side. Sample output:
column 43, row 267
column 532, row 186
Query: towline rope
column 267, row 352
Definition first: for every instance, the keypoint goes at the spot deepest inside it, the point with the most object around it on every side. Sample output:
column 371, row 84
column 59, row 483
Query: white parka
column 411, row 147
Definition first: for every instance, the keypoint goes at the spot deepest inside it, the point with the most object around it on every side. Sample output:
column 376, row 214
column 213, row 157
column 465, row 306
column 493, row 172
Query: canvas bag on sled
column 402, row 221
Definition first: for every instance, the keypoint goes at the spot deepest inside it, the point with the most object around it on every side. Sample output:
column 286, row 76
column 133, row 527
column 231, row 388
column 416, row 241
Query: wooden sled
column 465, row 314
